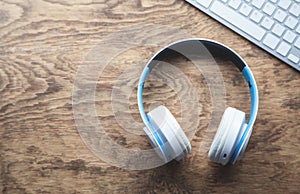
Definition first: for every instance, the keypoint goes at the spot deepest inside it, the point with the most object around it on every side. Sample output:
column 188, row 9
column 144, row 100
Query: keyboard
column 273, row 25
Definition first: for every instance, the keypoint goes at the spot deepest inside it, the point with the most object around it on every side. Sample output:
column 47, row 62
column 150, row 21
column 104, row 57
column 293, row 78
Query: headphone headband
column 191, row 47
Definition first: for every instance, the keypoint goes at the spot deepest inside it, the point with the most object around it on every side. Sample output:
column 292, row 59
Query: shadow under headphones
column 232, row 137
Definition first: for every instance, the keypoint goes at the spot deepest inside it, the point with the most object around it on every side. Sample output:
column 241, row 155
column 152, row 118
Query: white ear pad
column 175, row 142
column 245, row 143
column 227, row 136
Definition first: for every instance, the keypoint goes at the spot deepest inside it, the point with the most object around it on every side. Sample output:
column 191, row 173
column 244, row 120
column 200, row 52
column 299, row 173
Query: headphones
column 233, row 134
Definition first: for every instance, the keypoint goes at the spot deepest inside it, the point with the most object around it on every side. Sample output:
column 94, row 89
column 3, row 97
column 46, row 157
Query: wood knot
column 4, row 16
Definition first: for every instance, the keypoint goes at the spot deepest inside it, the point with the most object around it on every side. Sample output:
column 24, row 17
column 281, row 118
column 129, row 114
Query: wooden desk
column 43, row 42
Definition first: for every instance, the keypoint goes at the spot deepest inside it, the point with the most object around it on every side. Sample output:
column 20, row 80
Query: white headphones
column 166, row 135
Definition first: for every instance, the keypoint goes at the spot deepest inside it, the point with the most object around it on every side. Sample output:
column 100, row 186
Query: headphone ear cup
column 219, row 135
column 227, row 135
column 176, row 143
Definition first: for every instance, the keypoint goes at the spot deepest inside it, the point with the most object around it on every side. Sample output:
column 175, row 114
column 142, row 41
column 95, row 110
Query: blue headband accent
column 143, row 77
column 253, row 113
column 156, row 134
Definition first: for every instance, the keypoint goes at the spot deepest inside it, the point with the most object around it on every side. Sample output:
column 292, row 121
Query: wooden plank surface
column 42, row 45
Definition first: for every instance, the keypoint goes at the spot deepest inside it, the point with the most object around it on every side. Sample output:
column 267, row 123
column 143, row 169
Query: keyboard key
column 245, row 9
column 280, row 15
column 271, row 41
column 298, row 29
column 258, row 3
column 291, row 22
column 283, row 48
column 289, row 36
column 284, row 4
column 267, row 23
column 238, row 20
column 297, row 43
column 269, row 8
column 278, row 29
column 234, row 3
column 293, row 58
column 204, row 3
column 295, row 10
column 256, row 16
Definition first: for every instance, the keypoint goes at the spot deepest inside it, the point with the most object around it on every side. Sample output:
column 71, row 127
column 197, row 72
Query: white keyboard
column 273, row 25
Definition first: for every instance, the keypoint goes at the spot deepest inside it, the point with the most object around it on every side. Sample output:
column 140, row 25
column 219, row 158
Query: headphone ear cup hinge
column 242, row 148
column 158, row 149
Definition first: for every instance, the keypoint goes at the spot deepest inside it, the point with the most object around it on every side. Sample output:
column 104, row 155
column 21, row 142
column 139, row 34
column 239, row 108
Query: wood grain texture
column 42, row 44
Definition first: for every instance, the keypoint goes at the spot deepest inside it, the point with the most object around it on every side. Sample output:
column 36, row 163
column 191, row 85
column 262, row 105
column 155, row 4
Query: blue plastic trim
column 254, row 108
column 144, row 75
column 145, row 118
